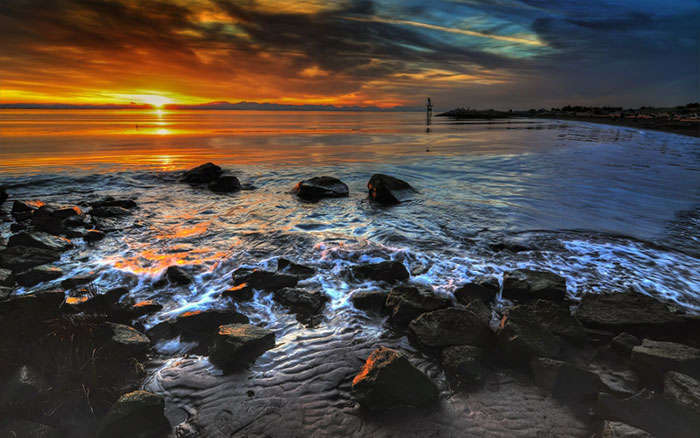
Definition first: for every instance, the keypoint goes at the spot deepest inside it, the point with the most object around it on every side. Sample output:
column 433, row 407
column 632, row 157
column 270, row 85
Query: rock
column 113, row 295
column 145, row 307
column 110, row 201
column 196, row 325
column 370, row 300
column 483, row 288
column 406, row 303
column 136, row 414
column 634, row 313
column 22, row 388
column 263, row 280
column 77, row 280
column 177, row 275
column 622, row 382
column 520, row 338
column 615, row 429
column 40, row 240
column 624, row 343
column 683, row 390
column 203, row 174
column 5, row 292
column 551, row 316
column 463, row 364
column 57, row 220
column 238, row 344
column 6, row 277
column 288, row 267
column 654, row 358
column 22, row 210
column 225, row 184
column 3, row 195
column 651, row 413
column 388, row 190
column 28, row 309
column 242, row 292
column 110, row 211
column 27, row 429
column 302, row 302
column 389, row 271
column 128, row 340
column 450, row 326
column 564, row 380
column 93, row 235
column 38, row 274
column 22, row 258
column 526, row 284
column 320, row 187
column 388, row 380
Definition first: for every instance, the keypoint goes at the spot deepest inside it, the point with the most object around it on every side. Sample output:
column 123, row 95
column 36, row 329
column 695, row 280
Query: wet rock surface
column 527, row 284
column 388, row 190
column 203, row 174
column 373, row 300
column 39, row 240
column 305, row 304
column 406, row 303
column 483, row 288
column 236, row 345
column 321, row 187
column 225, row 184
column 285, row 266
column 38, row 274
column 263, row 280
column 450, row 326
column 388, row 271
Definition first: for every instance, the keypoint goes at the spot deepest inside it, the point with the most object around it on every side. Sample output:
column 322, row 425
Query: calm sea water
column 607, row 207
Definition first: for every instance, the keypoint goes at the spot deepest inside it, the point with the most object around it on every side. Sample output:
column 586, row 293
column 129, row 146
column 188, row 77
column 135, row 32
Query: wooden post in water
column 428, row 112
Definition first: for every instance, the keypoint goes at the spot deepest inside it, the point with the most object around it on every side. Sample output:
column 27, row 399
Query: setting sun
column 151, row 99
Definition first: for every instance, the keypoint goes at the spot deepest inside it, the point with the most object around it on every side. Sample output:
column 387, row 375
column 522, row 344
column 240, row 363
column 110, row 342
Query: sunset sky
column 489, row 53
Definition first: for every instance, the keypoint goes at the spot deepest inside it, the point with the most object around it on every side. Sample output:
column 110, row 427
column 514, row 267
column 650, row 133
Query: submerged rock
column 405, row 303
column 654, row 358
column 564, row 380
column 450, row 326
column 463, row 364
column 203, row 174
column 320, row 187
column 526, row 284
column 38, row 274
column 263, row 280
column 225, row 184
column 39, row 240
column 136, row 414
column 22, row 258
column 371, row 300
column 238, row 344
column 483, row 288
column 388, row 190
column 389, row 271
column 388, row 380
column 288, row 267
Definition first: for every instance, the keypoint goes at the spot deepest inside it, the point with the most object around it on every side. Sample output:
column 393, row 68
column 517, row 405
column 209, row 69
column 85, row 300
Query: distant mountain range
column 211, row 106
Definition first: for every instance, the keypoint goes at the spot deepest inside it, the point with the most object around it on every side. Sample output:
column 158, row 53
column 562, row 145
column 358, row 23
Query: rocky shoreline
column 78, row 354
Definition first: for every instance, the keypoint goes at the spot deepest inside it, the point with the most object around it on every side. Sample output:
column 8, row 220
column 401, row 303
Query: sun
column 151, row 99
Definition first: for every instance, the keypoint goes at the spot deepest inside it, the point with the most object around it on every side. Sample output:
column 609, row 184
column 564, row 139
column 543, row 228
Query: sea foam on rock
column 320, row 187
column 388, row 380
column 387, row 190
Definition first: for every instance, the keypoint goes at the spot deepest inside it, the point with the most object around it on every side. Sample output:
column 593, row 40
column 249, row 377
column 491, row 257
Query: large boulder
column 527, row 284
column 463, row 364
column 564, row 380
column 203, row 174
column 370, row 300
column 225, row 184
column 451, row 326
column 320, row 187
column 406, row 303
column 388, row 380
column 136, row 414
column 40, row 240
column 482, row 288
column 654, row 358
column 38, row 274
column 263, row 280
column 285, row 266
column 388, row 190
column 238, row 344
column 389, row 271
column 21, row 258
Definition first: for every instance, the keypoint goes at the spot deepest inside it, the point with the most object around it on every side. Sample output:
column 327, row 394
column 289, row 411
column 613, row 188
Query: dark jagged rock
column 109, row 201
column 616, row 429
column 197, row 325
column 482, row 288
column 22, row 258
column 551, row 316
column 302, row 302
column 55, row 221
column 6, row 277
column 526, row 284
column 107, row 212
column 177, row 275
column 238, row 344
column 521, row 338
column 225, row 184
column 136, row 414
column 264, row 280
column 388, row 190
column 683, row 391
column 203, row 174
column 654, row 358
column 320, row 187
column 93, row 235
column 38, row 274
column 372, row 300
column 450, row 326
column 285, row 266
column 39, row 240
column 463, row 364
column 405, row 303
column 564, row 380
column 389, row 271
column 22, row 210
column 624, row 343
column 242, row 292
column 388, row 380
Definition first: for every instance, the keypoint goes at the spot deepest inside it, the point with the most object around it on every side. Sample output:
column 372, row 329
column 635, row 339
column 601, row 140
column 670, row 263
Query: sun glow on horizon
column 154, row 100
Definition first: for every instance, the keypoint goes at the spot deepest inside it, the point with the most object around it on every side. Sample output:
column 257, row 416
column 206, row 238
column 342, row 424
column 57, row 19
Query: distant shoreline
column 691, row 129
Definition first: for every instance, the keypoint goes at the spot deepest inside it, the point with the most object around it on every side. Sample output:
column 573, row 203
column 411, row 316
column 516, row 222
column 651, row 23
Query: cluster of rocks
column 213, row 177
column 623, row 355
column 383, row 189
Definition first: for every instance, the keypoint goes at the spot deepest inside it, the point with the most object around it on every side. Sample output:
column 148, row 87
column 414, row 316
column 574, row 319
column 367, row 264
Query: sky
column 480, row 54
